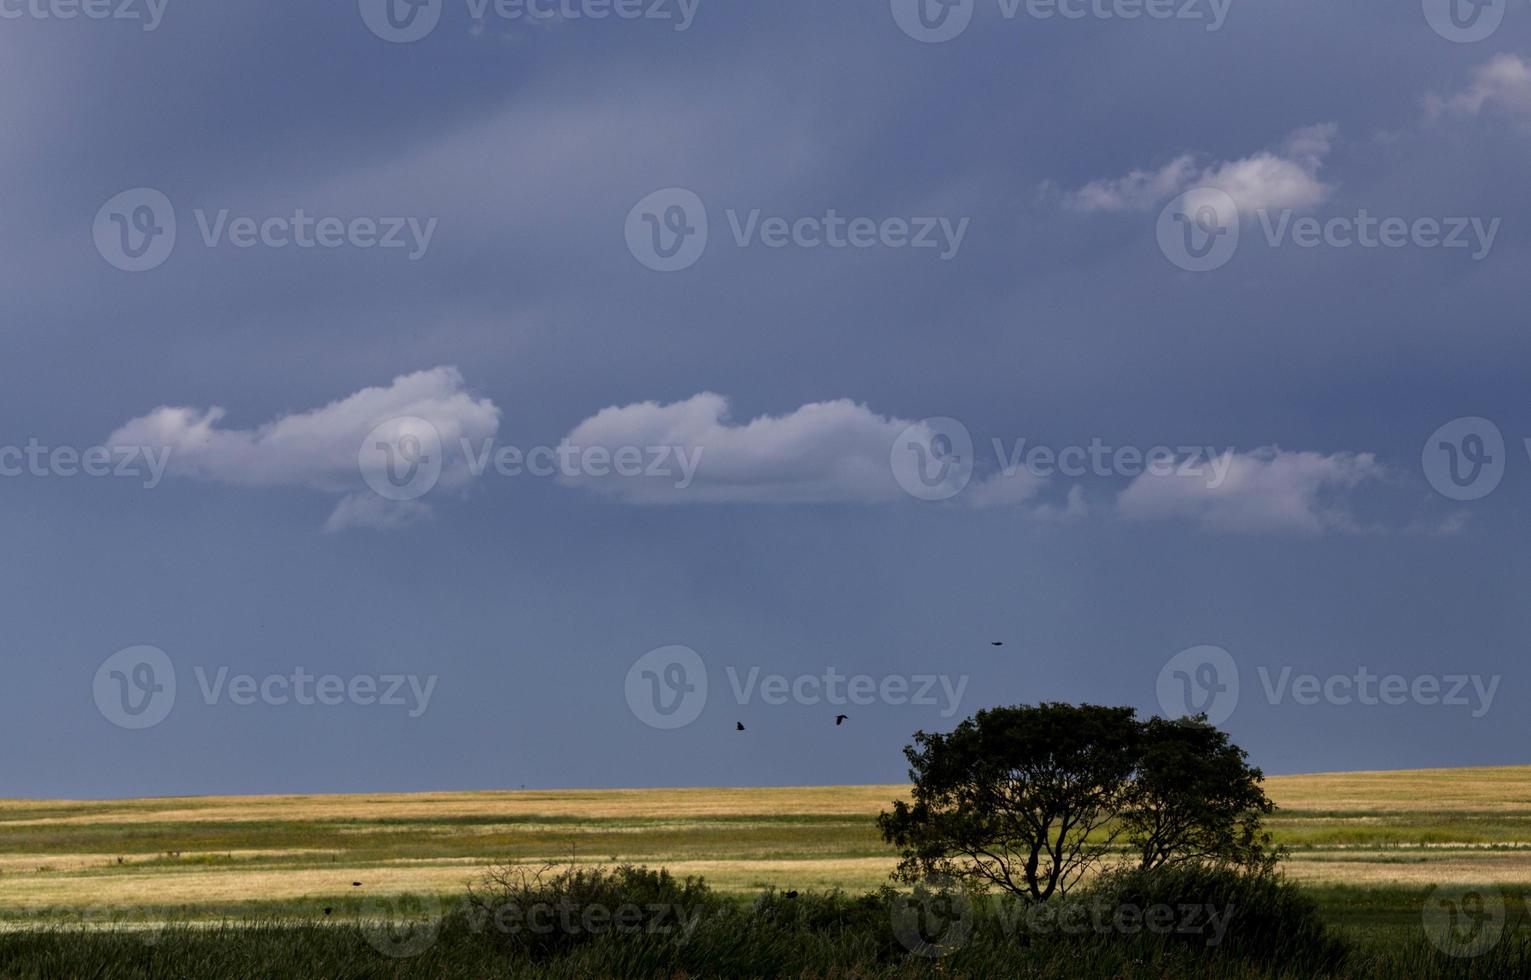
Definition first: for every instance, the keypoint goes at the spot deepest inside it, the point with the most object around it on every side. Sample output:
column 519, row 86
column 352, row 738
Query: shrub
column 546, row 911
column 1267, row 918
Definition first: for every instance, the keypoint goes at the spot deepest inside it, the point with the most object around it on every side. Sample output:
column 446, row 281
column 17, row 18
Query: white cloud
column 1073, row 509
column 825, row 452
column 319, row 449
column 379, row 513
column 1288, row 178
column 1503, row 83
column 1139, row 190
column 1005, row 490
column 1267, row 490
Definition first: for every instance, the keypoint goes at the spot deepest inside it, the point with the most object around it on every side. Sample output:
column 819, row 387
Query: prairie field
column 1369, row 844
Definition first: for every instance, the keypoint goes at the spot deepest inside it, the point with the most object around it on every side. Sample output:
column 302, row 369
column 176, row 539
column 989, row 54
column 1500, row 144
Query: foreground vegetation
column 228, row 887
column 651, row 925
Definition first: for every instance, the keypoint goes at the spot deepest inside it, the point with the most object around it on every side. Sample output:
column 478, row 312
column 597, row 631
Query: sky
column 459, row 395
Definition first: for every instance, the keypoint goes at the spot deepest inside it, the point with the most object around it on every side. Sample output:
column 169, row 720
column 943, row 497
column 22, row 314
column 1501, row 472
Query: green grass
column 211, row 864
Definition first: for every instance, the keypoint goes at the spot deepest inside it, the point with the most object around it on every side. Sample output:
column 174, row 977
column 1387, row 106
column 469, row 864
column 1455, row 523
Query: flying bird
column 328, row 910
column 355, row 884
column 840, row 720
column 996, row 643
column 738, row 726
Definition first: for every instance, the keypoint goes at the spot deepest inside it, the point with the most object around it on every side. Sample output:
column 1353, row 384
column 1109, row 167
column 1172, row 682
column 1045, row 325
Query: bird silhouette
column 738, row 726
column 840, row 720
column 791, row 894
column 355, row 884
column 328, row 910
column 996, row 643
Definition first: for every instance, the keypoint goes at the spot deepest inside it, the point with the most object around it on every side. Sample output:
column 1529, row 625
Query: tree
column 1031, row 798
column 1021, row 798
column 1196, row 798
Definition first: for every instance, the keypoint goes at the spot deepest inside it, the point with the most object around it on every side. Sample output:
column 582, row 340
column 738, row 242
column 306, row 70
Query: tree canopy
column 1032, row 797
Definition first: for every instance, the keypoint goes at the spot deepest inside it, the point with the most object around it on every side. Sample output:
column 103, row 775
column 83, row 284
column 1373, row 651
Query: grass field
column 1369, row 845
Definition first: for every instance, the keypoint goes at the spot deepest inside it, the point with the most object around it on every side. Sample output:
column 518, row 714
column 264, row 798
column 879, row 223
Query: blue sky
column 917, row 252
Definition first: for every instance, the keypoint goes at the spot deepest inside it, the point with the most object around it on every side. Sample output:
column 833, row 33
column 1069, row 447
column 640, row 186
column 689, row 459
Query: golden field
column 289, row 855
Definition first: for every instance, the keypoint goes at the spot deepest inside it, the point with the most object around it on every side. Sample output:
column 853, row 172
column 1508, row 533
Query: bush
column 1268, row 919
column 831, row 912
column 546, row 911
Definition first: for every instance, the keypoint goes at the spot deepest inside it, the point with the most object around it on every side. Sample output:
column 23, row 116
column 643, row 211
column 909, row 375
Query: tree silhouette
column 1030, row 798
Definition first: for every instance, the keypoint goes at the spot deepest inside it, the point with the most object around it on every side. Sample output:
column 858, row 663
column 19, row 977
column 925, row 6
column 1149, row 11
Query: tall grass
column 679, row 928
